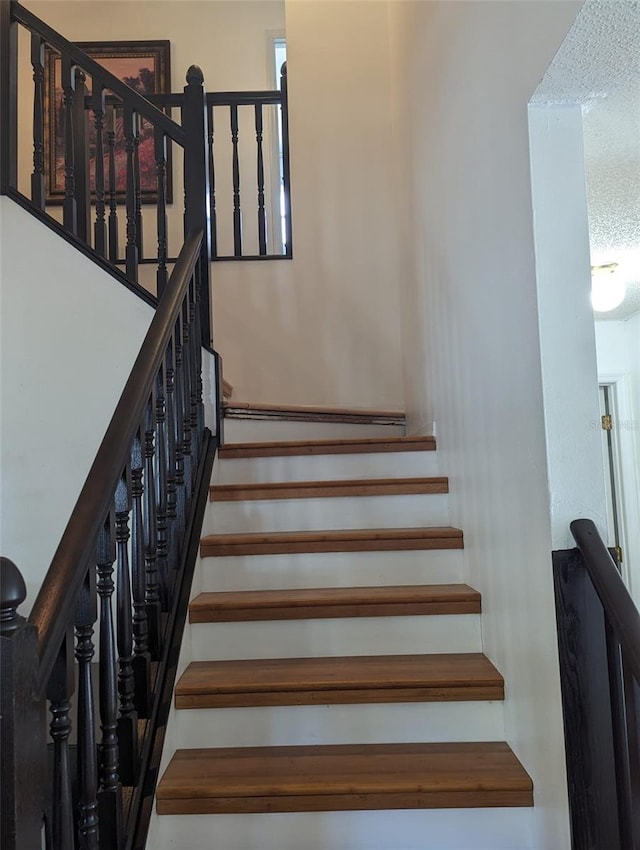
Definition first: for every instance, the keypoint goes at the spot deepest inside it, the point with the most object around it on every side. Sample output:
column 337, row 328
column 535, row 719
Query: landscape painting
column 142, row 65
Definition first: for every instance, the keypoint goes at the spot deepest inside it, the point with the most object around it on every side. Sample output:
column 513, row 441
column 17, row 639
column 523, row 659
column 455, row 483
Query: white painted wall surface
column 69, row 335
column 322, row 329
column 567, row 336
column 462, row 76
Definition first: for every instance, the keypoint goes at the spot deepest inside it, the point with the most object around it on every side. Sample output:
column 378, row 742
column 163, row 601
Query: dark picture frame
column 143, row 65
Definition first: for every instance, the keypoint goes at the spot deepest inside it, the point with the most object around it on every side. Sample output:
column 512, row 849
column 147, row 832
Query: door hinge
column 607, row 422
column 618, row 551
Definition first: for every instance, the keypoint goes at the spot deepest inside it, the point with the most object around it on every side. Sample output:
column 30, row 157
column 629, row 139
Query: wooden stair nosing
column 330, row 602
column 298, row 448
column 358, row 679
column 340, row 777
column 328, row 489
column 356, row 540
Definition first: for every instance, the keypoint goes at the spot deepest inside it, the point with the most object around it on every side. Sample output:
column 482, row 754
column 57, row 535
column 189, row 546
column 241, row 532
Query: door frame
column 626, row 475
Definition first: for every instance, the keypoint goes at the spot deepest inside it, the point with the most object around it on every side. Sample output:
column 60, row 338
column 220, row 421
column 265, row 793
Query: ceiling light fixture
column 607, row 288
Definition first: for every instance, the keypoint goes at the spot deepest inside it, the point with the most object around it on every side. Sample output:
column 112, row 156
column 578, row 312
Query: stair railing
column 265, row 114
column 123, row 571
column 103, row 209
column 95, row 195
column 599, row 648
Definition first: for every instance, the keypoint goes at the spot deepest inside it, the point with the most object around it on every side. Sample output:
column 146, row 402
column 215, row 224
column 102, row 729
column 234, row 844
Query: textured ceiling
column 598, row 67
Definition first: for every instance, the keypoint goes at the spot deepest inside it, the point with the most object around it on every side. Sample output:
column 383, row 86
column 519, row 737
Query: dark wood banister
column 616, row 600
column 140, row 104
column 53, row 607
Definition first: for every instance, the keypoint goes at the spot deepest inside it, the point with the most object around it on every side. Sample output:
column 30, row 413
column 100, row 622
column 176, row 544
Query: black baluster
column 131, row 250
column 212, row 183
column 179, row 426
column 286, row 175
column 197, row 335
column 149, row 521
column 37, row 178
column 110, row 792
column 160, row 147
column 171, row 428
column 186, row 402
column 138, row 183
column 113, row 187
column 59, row 691
column 100, row 225
column 161, row 492
column 237, row 214
column 69, row 209
column 85, row 616
column 128, row 718
column 81, row 158
column 196, row 376
column 262, row 218
column 141, row 657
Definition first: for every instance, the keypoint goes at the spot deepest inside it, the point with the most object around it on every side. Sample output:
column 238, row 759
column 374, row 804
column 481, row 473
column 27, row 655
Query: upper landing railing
column 99, row 160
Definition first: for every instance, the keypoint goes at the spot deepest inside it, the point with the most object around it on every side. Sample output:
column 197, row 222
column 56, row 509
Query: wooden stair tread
column 328, row 489
column 354, row 540
column 338, row 777
column 313, row 603
column 305, row 681
column 358, row 445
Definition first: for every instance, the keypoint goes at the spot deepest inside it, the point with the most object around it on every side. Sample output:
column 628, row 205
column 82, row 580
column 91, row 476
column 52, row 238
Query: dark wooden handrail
column 616, row 600
column 54, row 604
column 140, row 104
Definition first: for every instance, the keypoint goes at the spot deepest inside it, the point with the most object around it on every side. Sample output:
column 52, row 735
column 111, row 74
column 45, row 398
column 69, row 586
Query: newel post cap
column 13, row 592
column 195, row 77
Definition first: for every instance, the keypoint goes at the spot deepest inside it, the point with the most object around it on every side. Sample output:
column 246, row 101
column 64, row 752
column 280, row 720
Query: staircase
column 334, row 693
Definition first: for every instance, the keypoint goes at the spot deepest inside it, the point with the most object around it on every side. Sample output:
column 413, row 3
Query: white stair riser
column 379, row 723
column 426, row 829
column 325, row 467
column 336, row 637
column 327, row 513
column 259, row 430
column 332, row 569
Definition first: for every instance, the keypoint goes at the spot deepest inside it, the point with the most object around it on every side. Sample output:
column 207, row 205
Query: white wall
column 462, row 76
column 69, row 335
column 618, row 351
column 323, row 328
column 567, row 337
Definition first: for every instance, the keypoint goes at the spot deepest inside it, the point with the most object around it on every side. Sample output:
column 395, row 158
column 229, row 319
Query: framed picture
column 143, row 65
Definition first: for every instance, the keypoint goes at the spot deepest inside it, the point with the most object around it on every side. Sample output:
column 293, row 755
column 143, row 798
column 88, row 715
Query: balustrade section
column 106, row 616
column 105, row 162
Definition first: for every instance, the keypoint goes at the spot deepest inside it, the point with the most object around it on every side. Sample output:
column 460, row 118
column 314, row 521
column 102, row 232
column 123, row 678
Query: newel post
column 23, row 763
column 196, row 183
